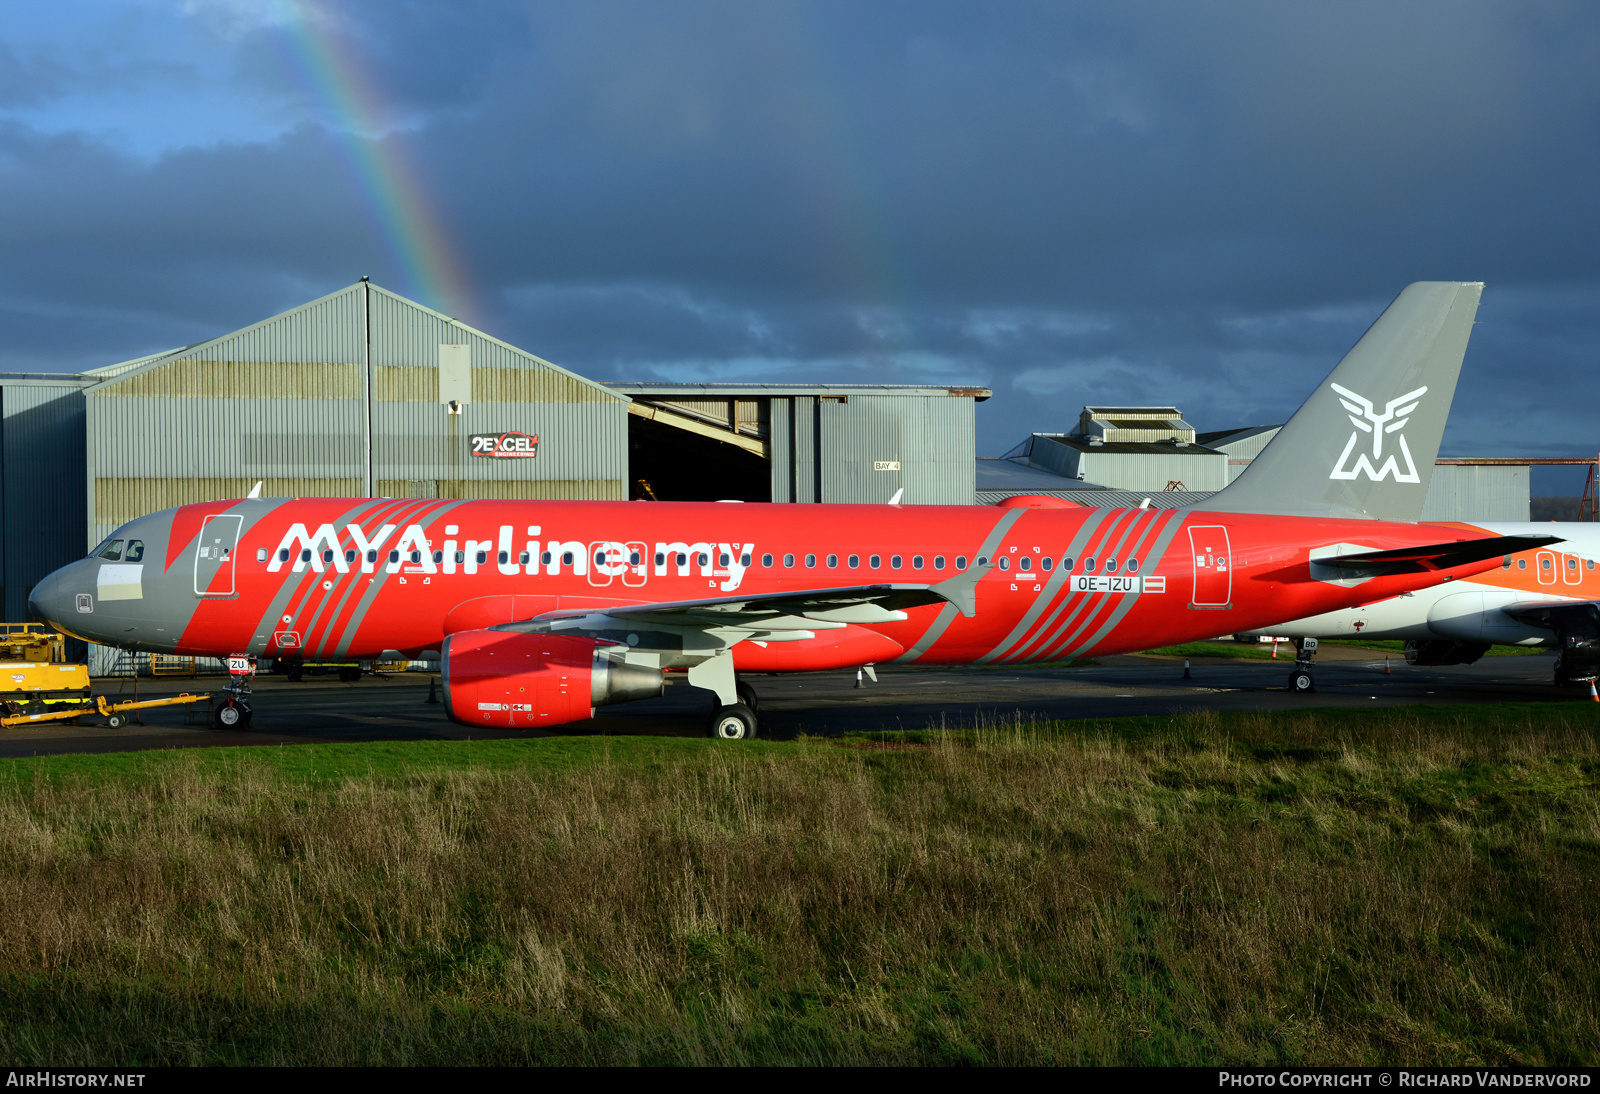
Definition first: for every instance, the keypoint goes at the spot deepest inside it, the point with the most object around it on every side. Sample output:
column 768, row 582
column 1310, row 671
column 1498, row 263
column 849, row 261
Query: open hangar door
column 677, row 455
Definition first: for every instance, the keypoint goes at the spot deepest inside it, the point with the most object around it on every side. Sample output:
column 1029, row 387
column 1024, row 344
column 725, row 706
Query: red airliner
column 542, row 611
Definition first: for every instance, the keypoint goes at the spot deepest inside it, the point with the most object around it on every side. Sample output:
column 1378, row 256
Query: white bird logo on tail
column 1396, row 414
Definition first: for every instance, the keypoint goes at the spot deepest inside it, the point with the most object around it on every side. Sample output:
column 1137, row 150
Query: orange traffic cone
column 1386, row 664
column 1595, row 695
column 1274, row 647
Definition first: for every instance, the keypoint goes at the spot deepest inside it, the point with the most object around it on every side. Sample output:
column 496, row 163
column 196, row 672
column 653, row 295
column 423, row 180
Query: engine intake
column 514, row 680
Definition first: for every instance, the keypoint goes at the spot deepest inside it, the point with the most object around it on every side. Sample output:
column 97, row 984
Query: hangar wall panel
column 931, row 438
column 1477, row 492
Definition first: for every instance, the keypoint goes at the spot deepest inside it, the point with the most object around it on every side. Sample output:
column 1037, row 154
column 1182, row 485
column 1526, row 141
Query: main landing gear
column 733, row 723
column 1301, row 681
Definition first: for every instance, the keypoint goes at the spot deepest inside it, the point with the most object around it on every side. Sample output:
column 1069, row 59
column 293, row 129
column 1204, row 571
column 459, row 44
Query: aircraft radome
column 540, row 611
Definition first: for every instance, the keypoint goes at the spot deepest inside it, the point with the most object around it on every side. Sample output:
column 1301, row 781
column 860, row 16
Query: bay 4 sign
column 511, row 445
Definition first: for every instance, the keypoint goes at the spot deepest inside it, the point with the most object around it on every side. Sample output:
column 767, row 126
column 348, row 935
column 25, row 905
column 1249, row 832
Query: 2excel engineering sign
column 511, row 445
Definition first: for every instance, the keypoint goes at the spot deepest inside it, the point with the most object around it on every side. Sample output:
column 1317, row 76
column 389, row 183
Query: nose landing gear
column 232, row 710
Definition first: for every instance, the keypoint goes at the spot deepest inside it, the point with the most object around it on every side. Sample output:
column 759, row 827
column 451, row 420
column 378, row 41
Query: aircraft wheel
column 231, row 716
column 349, row 676
column 734, row 723
column 1301, row 683
column 295, row 674
column 747, row 694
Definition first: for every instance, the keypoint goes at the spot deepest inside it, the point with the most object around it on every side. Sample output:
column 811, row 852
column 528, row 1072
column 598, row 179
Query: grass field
column 1415, row 885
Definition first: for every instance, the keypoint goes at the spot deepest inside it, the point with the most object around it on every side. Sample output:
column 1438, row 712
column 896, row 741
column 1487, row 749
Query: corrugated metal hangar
column 366, row 393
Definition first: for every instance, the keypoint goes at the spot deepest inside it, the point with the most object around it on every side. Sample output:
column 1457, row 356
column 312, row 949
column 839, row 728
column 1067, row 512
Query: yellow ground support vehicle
column 31, row 642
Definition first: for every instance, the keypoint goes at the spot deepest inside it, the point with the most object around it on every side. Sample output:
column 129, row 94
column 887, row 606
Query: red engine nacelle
column 513, row 680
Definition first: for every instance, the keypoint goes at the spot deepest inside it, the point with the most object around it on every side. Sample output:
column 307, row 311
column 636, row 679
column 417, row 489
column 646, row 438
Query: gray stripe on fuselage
column 947, row 614
column 1157, row 550
column 292, row 582
column 1073, row 605
column 1044, row 599
column 369, row 595
column 1089, row 604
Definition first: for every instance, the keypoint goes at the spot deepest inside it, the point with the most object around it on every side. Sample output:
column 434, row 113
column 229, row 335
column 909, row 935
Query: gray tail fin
column 1364, row 444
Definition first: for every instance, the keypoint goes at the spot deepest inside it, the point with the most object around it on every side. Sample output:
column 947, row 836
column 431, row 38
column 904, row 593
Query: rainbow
column 429, row 267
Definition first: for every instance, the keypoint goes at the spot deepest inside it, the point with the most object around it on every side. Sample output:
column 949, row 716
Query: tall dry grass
column 1223, row 890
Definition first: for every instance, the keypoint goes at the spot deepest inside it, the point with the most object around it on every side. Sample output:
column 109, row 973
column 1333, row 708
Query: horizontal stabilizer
column 1436, row 556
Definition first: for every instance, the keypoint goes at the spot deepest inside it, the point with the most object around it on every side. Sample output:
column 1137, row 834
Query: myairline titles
column 412, row 553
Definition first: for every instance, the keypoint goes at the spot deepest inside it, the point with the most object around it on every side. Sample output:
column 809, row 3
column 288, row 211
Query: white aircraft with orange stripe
column 1548, row 597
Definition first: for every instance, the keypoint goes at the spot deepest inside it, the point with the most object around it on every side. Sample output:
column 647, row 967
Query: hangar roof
column 333, row 329
column 751, row 391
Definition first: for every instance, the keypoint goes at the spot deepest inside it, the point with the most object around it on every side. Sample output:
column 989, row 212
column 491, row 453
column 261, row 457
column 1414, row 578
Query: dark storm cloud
column 1200, row 204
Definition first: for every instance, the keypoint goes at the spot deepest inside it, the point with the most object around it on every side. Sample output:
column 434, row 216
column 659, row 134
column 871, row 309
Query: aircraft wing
column 856, row 604
column 1435, row 556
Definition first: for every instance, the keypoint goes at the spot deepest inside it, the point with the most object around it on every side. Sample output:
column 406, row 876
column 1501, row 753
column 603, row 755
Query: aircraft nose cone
column 54, row 599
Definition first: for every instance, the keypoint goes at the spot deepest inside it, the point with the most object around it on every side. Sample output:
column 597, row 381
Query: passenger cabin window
column 438, row 557
column 722, row 559
column 811, row 561
column 833, row 561
column 854, row 562
column 566, row 558
column 895, row 562
column 372, row 556
column 283, row 554
column 1111, row 565
column 350, row 555
column 305, row 554
column 876, row 562
column 788, row 561
column 1005, row 563
column 135, row 551
column 702, row 559
column 1088, row 565
column 1024, row 563
column 766, row 560
column 961, row 562
column 394, row 556
column 1505, row 563
column 1133, row 565
column 112, row 550
column 938, row 562
column 544, row 558
column 261, row 554
column 661, row 558
column 1522, row 564
column 983, row 560
column 744, row 559
column 1046, row 562
column 1066, row 564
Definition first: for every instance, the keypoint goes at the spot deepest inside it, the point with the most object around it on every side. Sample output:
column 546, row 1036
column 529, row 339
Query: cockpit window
column 112, row 550
column 135, row 551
